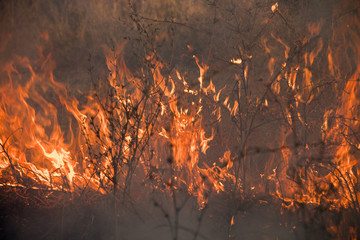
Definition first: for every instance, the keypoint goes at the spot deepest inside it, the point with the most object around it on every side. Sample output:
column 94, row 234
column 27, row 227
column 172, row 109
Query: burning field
column 209, row 119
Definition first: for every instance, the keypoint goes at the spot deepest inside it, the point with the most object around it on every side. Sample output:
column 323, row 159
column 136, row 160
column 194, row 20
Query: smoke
column 77, row 33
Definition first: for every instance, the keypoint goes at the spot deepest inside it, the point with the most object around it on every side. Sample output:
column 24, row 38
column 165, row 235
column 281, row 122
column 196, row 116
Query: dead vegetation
column 218, row 108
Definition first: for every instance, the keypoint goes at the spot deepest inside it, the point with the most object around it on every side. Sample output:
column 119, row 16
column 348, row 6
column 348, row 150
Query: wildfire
column 39, row 152
column 165, row 124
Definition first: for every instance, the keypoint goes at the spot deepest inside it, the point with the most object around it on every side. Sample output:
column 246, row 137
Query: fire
column 187, row 137
column 274, row 7
column 328, row 177
column 160, row 126
column 32, row 138
column 96, row 150
column 38, row 152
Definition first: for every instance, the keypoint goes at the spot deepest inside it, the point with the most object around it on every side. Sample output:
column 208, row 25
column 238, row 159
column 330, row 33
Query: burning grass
column 270, row 117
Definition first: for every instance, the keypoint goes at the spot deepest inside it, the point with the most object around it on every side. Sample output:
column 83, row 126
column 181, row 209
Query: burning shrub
column 248, row 103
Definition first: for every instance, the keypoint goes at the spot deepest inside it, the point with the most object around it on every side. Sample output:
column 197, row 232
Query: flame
column 31, row 133
column 275, row 7
column 189, row 141
column 236, row 61
column 331, row 176
column 50, row 140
